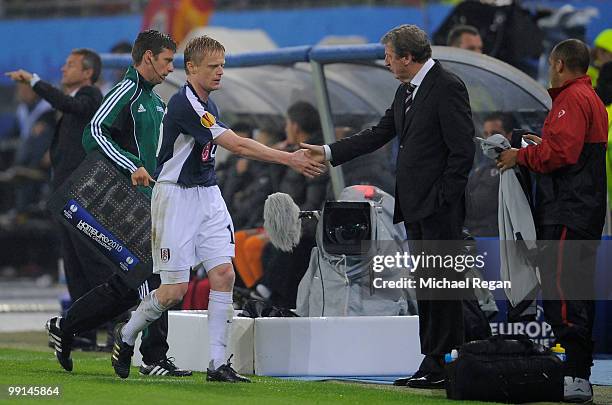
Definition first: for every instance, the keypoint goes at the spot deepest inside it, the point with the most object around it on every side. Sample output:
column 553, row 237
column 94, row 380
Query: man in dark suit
column 75, row 104
column 431, row 116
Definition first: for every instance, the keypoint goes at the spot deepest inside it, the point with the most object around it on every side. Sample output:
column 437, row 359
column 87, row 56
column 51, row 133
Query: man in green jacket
column 126, row 129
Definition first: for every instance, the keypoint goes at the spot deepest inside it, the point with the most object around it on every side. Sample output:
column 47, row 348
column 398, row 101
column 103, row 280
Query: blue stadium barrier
column 281, row 56
column 347, row 53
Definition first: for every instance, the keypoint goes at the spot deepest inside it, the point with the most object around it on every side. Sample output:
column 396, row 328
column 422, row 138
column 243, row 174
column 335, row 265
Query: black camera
column 346, row 224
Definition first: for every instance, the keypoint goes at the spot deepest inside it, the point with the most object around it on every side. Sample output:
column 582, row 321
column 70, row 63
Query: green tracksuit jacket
column 126, row 127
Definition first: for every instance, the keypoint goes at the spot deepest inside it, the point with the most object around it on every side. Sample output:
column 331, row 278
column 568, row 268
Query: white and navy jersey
column 186, row 151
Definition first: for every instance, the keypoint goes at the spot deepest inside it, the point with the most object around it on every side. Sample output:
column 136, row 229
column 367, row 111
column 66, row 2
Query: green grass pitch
column 26, row 360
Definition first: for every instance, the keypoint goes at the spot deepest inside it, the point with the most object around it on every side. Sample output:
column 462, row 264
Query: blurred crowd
column 42, row 8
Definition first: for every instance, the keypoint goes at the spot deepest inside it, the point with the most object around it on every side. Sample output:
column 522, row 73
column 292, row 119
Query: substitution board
column 99, row 203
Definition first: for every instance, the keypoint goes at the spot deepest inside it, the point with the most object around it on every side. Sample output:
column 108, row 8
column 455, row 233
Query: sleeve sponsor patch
column 208, row 120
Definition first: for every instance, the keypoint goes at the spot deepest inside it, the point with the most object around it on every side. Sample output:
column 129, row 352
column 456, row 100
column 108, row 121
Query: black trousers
column 567, row 265
column 110, row 299
column 441, row 326
column 83, row 271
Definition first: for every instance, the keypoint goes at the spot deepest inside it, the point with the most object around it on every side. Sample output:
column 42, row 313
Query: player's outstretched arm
column 300, row 160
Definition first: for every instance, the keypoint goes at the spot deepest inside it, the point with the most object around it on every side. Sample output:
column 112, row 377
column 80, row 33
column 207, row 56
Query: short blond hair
column 198, row 47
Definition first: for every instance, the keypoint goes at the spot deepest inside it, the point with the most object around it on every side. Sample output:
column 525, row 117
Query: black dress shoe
column 427, row 381
column 402, row 382
column 431, row 381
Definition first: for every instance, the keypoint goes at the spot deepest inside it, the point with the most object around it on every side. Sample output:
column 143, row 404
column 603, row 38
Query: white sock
column 220, row 315
column 147, row 312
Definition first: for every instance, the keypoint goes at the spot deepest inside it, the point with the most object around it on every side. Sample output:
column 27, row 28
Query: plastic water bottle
column 559, row 351
column 450, row 357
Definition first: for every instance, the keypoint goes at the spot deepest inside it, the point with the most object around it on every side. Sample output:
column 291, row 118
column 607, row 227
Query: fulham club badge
column 165, row 255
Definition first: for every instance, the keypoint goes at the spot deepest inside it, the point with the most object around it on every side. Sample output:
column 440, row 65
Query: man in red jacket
column 570, row 206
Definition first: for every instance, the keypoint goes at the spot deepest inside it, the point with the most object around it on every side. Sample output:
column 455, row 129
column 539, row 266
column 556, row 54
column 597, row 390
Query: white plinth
column 337, row 346
column 334, row 346
column 188, row 341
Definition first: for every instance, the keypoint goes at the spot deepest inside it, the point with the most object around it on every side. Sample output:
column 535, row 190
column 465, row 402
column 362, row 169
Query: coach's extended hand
column 301, row 161
column 141, row 177
column 315, row 152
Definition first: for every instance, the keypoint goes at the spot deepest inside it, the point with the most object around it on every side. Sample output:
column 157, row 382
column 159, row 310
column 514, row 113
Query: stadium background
column 41, row 34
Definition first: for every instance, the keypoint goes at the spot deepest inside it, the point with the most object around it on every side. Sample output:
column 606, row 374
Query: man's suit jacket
column 66, row 148
column 436, row 145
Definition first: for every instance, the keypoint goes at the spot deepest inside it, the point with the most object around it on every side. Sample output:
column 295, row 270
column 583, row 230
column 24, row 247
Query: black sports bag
column 505, row 368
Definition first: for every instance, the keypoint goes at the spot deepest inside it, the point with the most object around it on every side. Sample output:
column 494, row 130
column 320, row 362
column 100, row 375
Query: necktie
column 409, row 91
